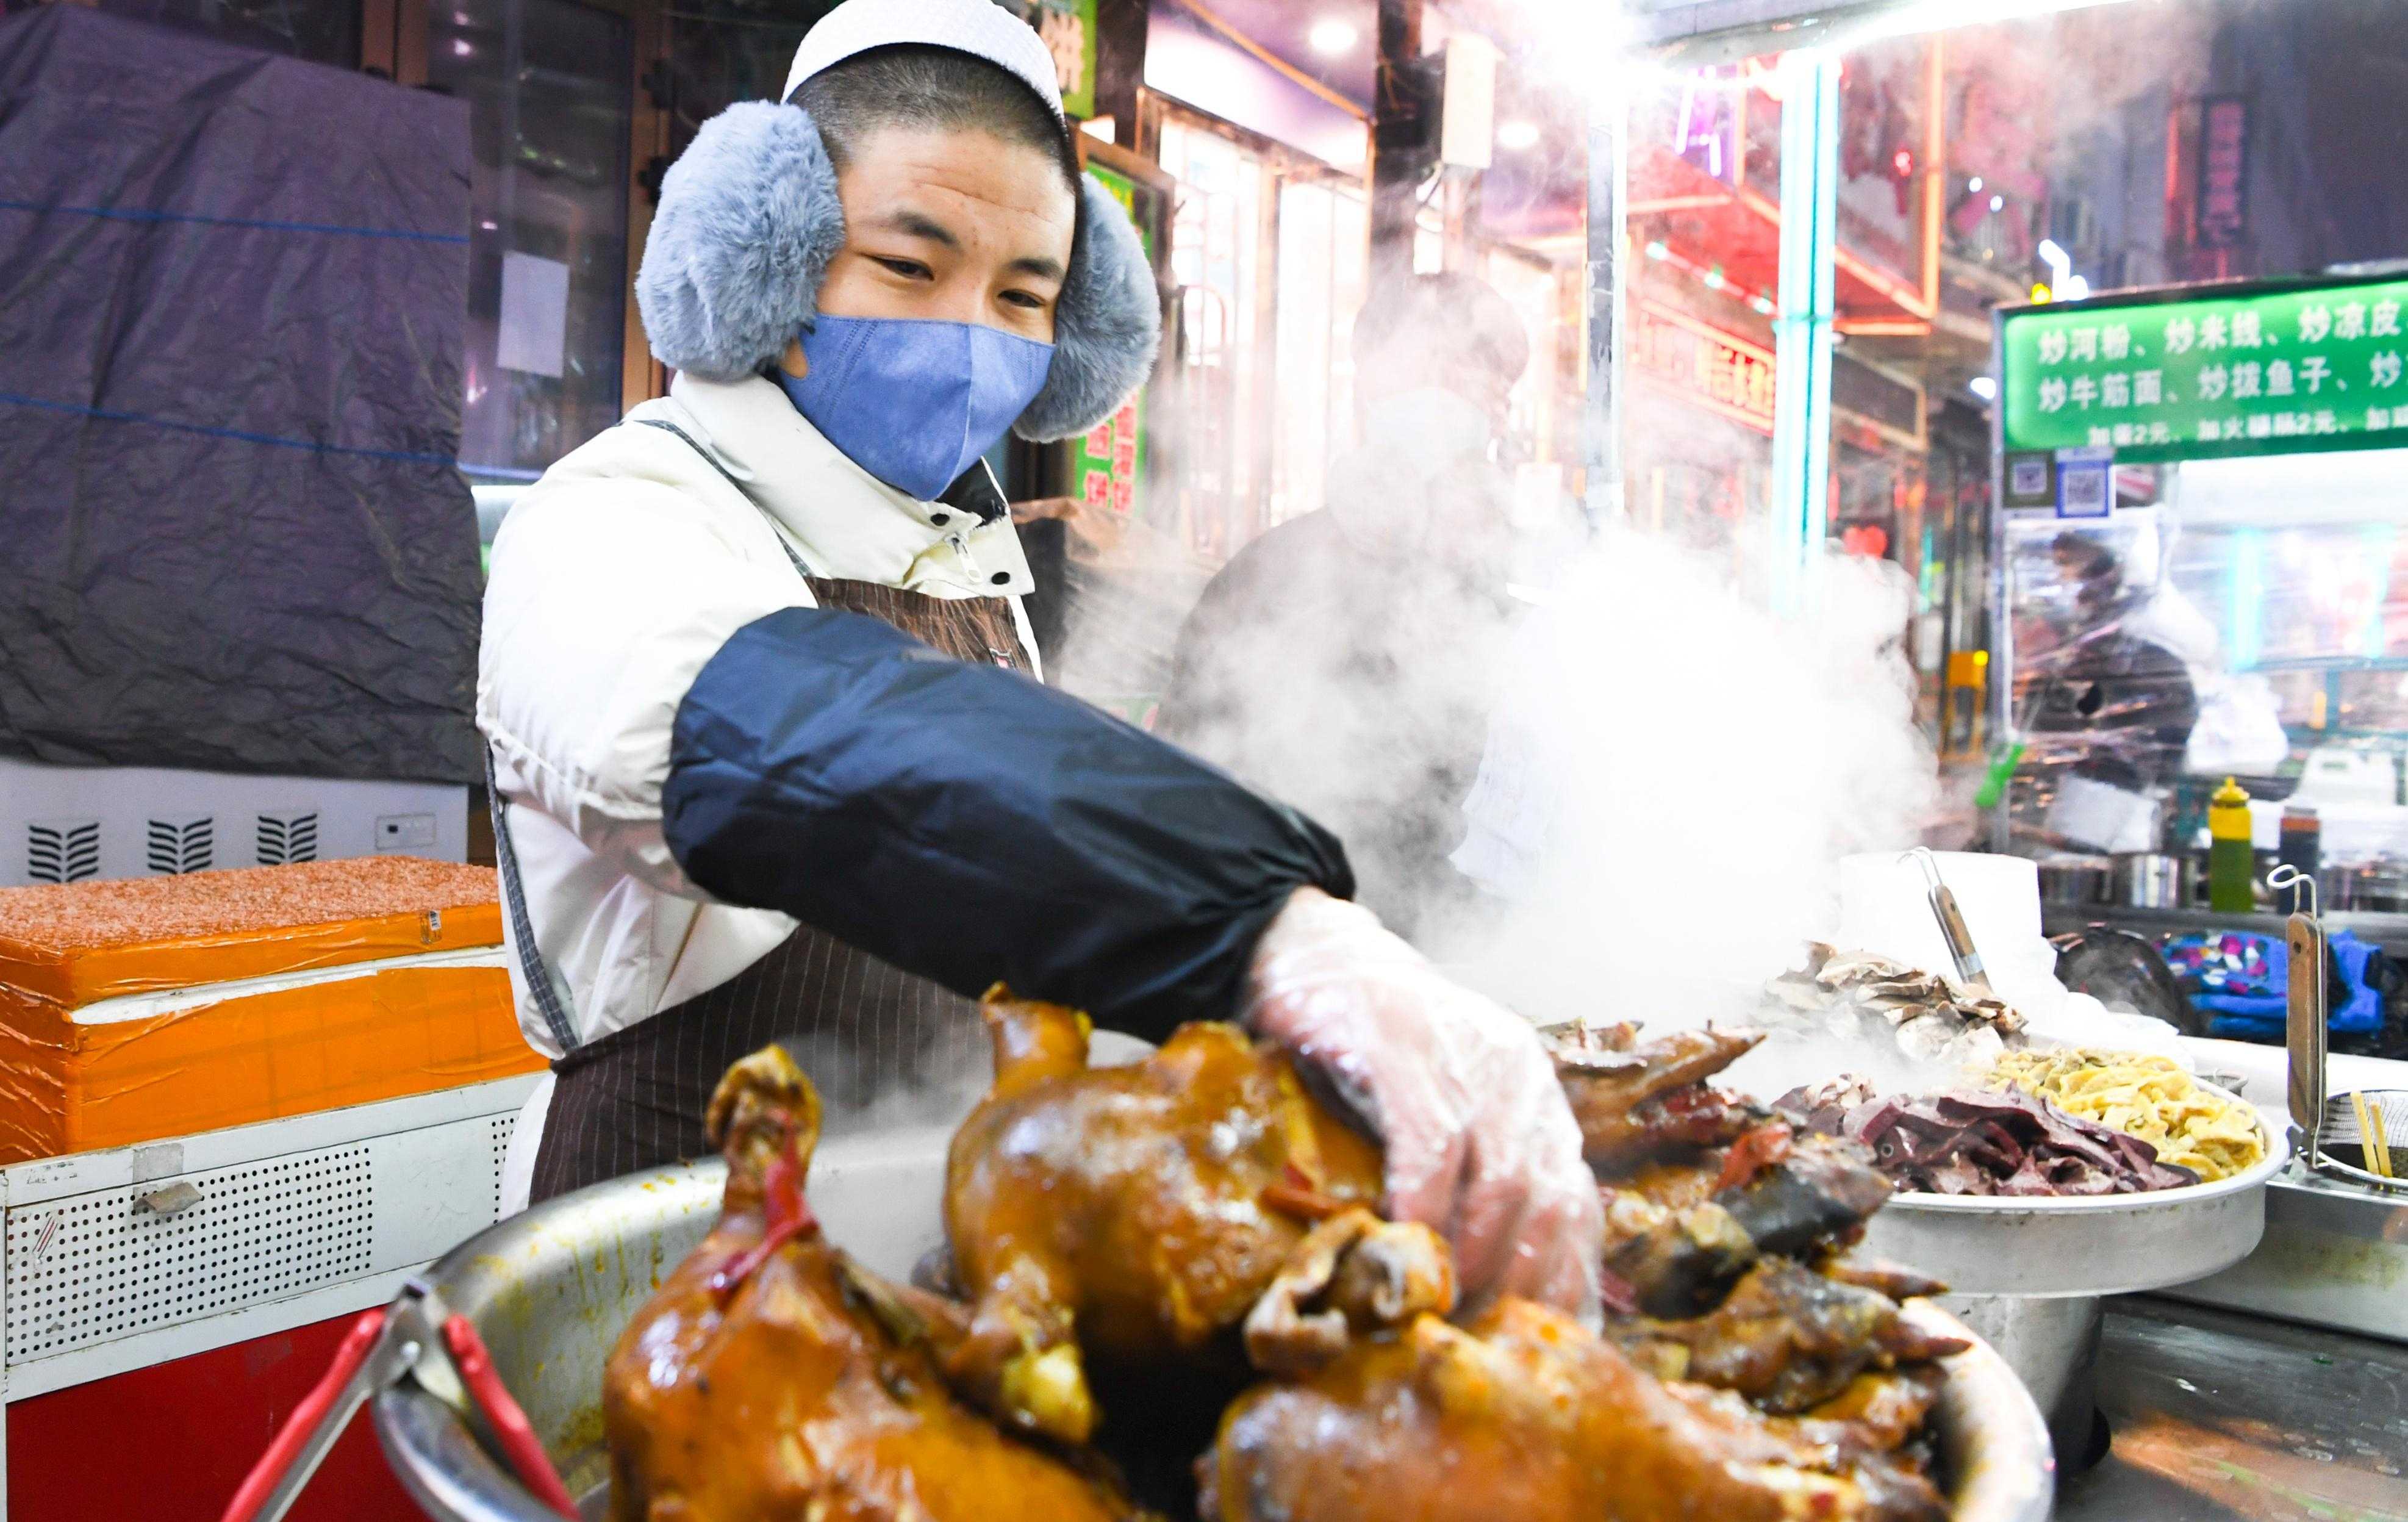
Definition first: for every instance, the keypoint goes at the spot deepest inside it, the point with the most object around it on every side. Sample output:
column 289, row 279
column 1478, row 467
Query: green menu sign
column 1067, row 29
column 2254, row 370
column 1107, row 464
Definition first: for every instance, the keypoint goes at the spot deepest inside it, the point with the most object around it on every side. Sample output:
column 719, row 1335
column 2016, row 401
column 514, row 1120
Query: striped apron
column 873, row 1037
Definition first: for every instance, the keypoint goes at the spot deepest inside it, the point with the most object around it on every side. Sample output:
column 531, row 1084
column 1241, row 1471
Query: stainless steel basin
column 550, row 1290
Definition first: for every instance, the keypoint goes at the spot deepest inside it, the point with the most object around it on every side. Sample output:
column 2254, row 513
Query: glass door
column 549, row 86
column 1324, row 265
column 1216, row 260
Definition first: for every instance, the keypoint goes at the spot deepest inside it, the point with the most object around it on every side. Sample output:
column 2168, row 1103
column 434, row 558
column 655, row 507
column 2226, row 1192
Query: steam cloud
column 1669, row 773
column 1673, row 771
column 1685, row 769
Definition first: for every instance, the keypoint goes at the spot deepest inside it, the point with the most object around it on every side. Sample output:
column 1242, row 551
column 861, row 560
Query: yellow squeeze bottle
column 2231, row 859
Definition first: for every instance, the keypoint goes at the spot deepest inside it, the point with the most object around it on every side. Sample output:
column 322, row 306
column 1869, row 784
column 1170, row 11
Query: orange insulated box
column 155, row 1007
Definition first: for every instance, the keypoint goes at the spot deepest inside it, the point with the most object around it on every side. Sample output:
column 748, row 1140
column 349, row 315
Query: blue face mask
column 915, row 403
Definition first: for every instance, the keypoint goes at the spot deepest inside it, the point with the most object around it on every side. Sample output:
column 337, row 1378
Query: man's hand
column 1479, row 1143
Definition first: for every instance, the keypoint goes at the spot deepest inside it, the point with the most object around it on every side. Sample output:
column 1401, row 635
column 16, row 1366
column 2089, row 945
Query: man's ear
column 1107, row 327
column 748, row 222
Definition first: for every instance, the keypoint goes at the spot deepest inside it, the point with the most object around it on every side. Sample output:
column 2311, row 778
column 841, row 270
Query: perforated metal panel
column 91, row 1267
column 504, row 1128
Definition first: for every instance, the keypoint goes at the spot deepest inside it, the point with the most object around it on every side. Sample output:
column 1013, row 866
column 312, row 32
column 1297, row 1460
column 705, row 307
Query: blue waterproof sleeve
column 969, row 825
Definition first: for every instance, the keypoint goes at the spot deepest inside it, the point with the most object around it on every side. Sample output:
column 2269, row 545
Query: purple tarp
column 232, row 294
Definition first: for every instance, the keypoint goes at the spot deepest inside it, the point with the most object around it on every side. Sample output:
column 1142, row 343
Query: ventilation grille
column 98, row 1266
column 284, row 839
column 62, row 850
column 178, row 847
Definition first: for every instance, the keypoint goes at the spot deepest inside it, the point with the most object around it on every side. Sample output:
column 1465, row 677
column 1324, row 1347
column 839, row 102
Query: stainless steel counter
column 2334, row 1255
column 2219, row 1417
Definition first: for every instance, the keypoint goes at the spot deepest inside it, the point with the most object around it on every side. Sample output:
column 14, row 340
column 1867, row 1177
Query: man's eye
column 911, row 269
column 1025, row 299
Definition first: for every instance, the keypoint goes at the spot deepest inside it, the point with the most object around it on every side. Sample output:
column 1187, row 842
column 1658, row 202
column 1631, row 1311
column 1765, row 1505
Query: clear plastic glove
column 1479, row 1143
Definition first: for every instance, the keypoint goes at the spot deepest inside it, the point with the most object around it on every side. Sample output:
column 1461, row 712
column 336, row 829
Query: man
column 768, row 761
column 1346, row 662
column 2107, row 672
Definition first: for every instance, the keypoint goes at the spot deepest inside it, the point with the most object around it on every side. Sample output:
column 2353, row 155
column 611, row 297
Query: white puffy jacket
column 614, row 580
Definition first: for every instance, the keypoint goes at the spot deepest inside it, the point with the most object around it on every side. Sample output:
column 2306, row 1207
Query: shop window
column 722, row 51
column 1323, row 257
column 1216, row 259
column 549, row 92
column 320, row 31
column 1269, row 250
column 1546, row 297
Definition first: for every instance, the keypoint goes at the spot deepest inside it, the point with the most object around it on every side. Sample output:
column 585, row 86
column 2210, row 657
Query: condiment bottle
column 2231, row 858
column 2301, row 846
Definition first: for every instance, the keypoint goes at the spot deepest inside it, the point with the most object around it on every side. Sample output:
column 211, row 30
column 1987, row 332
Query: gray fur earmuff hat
column 749, row 218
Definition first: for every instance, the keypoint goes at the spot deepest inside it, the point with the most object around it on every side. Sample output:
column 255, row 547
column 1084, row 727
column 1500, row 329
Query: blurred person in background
column 2137, row 667
column 1346, row 662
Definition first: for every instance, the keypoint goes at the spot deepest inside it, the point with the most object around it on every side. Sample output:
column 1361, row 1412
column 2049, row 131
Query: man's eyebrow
column 913, row 224
column 1038, row 266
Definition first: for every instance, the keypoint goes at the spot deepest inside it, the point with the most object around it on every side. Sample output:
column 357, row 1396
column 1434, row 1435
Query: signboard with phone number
column 1107, row 464
column 2240, row 370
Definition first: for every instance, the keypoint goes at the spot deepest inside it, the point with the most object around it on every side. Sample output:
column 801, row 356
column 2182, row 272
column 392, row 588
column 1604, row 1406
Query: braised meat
column 1680, row 1258
column 1672, row 1185
column 1894, row 1280
column 1643, row 1101
column 1786, row 1338
column 1986, row 1142
column 772, row 1377
column 1725, row 1270
column 1124, row 1221
column 1353, row 1276
column 1875, row 1412
column 1521, row 1414
column 1188, row 1246
column 1818, row 1195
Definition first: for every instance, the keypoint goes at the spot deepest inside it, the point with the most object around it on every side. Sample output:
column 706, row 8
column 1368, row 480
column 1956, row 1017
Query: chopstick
column 2372, row 1144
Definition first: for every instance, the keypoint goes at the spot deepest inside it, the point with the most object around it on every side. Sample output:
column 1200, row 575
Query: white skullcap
column 979, row 28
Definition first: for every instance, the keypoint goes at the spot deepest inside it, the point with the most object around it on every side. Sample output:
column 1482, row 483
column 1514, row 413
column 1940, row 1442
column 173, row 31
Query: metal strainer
column 2331, row 1133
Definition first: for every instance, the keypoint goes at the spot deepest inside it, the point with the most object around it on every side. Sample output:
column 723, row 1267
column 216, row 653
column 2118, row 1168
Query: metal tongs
column 1969, row 971
column 408, row 1339
column 2304, row 1032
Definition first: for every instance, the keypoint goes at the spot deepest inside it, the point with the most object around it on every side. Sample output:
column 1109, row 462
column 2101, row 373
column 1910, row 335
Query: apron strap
column 724, row 474
column 551, row 997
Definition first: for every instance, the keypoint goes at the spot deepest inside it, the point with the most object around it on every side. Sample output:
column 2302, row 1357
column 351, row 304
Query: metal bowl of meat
column 550, row 1291
column 1979, row 1205
column 2038, row 1245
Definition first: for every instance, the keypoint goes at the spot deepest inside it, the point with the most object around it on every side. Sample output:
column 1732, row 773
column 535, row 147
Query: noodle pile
column 2147, row 1097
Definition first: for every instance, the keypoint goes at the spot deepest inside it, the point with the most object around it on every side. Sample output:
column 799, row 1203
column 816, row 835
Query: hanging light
column 1331, row 37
